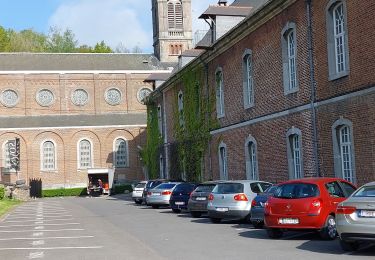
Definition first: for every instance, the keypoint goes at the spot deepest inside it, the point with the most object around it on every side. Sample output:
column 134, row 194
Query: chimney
column 222, row 3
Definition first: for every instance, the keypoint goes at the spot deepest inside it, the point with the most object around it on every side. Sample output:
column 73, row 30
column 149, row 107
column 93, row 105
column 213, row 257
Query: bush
column 64, row 192
column 121, row 188
column 2, row 193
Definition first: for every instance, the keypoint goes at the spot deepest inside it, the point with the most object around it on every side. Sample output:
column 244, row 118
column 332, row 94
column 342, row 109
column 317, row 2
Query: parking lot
column 116, row 228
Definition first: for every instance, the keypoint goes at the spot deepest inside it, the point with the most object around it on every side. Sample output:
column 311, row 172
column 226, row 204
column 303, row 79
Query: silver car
column 160, row 195
column 232, row 199
column 355, row 218
column 137, row 194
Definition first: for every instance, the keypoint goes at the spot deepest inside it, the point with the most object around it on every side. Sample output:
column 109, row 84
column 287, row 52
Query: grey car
column 198, row 200
column 160, row 195
column 355, row 218
column 232, row 199
column 137, row 194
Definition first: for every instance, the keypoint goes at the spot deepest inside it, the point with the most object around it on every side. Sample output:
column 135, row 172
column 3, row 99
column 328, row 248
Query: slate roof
column 72, row 120
column 192, row 53
column 77, row 61
column 158, row 76
column 253, row 3
column 226, row 11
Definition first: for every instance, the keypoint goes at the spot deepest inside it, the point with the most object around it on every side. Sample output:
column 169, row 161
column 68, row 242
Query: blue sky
column 114, row 21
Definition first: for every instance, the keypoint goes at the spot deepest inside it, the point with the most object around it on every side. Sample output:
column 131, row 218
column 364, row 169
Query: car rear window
column 265, row 185
column 141, row 185
column 271, row 189
column 205, row 188
column 296, row 191
column 185, row 187
column 367, row 191
column 153, row 184
column 166, row 186
column 228, row 188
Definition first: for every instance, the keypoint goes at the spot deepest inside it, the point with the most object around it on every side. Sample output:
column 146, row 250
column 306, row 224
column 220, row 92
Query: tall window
column 294, row 150
column 343, row 150
column 48, row 156
column 160, row 122
column 85, row 157
column 219, row 93
column 223, row 162
column 337, row 39
column 121, row 153
column 251, row 159
column 289, row 51
column 6, row 154
column 161, row 166
column 248, row 79
column 180, row 104
column 175, row 15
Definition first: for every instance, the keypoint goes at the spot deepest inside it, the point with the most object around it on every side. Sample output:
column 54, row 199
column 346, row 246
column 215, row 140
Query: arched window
column 219, row 93
column 343, row 149
column 223, row 161
column 121, row 153
column 175, row 15
column 84, row 154
column 337, row 39
column 48, row 153
column 160, row 118
column 251, row 159
column 161, row 166
column 248, row 82
column 289, row 54
column 294, row 150
column 181, row 108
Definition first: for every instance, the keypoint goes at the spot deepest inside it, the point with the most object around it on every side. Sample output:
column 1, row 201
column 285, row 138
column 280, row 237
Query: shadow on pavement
column 333, row 247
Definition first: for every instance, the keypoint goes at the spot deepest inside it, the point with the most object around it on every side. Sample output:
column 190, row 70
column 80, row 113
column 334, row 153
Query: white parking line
column 42, row 216
column 51, row 248
column 33, row 220
column 44, row 238
column 37, row 243
column 55, row 230
column 40, row 223
column 38, row 234
column 36, row 255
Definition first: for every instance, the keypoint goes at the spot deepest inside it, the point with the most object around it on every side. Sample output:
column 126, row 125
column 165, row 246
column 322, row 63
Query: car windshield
column 205, row 188
column 184, row 187
column 296, row 191
column 165, row 186
column 367, row 191
column 141, row 185
column 228, row 188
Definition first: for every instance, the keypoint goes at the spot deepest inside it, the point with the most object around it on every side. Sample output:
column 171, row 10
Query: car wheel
column 349, row 245
column 176, row 210
column 138, row 202
column 274, row 233
column 258, row 224
column 195, row 214
column 155, row 206
column 215, row 220
column 329, row 231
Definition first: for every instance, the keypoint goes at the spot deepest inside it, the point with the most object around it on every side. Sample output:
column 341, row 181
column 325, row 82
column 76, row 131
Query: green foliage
column 102, row 48
column 26, row 41
column 150, row 154
column 121, row 188
column 64, row 192
column 59, row 42
column 4, row 40
column 2, row 193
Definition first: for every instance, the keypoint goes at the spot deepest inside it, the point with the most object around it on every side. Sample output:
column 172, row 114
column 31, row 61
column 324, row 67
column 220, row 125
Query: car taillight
column 240, row 197
column 190, row 194
column 211, row 197
column 253, row 203
column 316, row 203
column 345, row 210
column 149, row 193
column 166, row 192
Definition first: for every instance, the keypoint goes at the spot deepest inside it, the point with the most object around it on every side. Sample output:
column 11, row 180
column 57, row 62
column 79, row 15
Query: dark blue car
column 180, row 196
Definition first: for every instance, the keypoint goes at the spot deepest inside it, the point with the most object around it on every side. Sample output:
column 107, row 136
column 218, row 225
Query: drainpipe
column 312, row 86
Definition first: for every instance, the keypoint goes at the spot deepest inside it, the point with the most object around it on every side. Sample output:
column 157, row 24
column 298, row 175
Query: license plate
column 179, row 203
column 288, row 221
column 201, row 198
column 156, row 193
column 367, row 213
column 222, row 209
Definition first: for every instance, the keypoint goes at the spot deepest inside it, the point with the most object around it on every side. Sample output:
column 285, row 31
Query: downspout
column 312, row 86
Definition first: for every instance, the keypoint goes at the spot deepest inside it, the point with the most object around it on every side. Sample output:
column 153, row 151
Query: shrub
column 64, row 192
column 121, row 188
column 2, row 193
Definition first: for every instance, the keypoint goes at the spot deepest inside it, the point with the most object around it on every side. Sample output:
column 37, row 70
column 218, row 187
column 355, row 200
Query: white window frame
column 346, row 153
column 6, row 159
column 289, row 57
column 251, row 156
column 42, row 165
column 115, row 152
column 339, row 38
column 248, row 78
column 295, row 153
column 79, row 154
column 219, row 83
column 223, row 161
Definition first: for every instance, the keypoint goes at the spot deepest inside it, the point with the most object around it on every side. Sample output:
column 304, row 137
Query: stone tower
column 172, row 28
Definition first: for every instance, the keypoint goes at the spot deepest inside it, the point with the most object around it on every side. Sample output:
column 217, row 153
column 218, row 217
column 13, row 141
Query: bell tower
column 172, row 28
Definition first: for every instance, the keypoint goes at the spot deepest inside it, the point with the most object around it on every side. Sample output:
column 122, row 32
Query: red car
column 306, row 204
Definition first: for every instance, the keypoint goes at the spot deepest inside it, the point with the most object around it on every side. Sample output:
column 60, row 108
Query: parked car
column 232, row 199
column 355, row 218
column 180, row 196
column 197, row 204
column 150, row 185
column 137, row 194
column 160, row 195
column 257, row 206
column 306, row 204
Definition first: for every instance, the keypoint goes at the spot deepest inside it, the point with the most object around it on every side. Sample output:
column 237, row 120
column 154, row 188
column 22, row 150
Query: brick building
column 73, row 113
column 292, row 90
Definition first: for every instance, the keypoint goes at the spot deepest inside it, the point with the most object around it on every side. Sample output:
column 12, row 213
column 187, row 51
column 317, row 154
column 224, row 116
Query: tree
column 26, row 41
column 121, row 48
column 84, row 49
column 137, row 49
column 102, row 48
column 61, row 42
column 4, row 40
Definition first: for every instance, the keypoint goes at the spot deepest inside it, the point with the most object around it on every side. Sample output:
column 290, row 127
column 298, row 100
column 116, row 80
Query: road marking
column 51, row 248
column 56, row 230
column 37, row 243
column 38, row 227
column 36, row 255
column 18, row 221
column 44, row 238
column 38, row 234
column 39, row 217
column 40, row 223
column 37, row 223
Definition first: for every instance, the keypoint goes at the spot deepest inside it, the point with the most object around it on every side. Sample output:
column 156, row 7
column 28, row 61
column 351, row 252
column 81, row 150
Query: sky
column 114, row 21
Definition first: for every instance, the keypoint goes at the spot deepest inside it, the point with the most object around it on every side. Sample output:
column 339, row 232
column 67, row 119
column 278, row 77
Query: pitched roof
column 253, row 3
column 158, row 76
column 192, row 53
column 214, row 10
column 77, row 61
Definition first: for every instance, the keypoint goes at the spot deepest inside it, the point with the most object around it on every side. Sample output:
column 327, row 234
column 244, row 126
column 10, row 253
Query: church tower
column 172, row 28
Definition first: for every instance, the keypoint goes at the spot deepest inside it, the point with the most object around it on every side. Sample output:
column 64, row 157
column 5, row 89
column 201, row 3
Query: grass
column 6, row 205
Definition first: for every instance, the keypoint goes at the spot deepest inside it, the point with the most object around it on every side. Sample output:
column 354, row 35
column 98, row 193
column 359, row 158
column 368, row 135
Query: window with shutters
column 121, row 153
column 84, row 154
column 175, row 15
column 48, row 152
